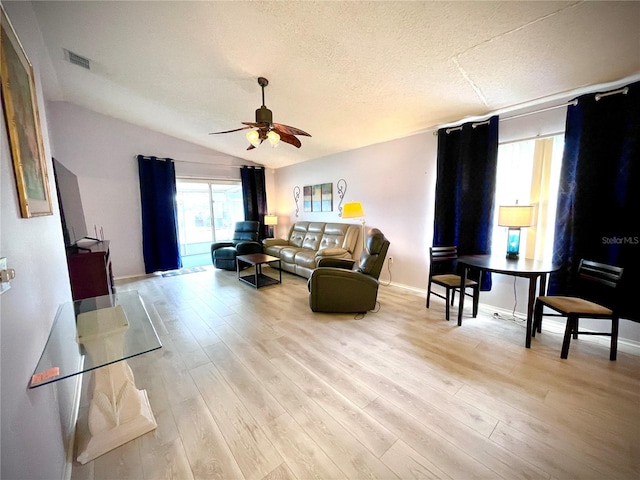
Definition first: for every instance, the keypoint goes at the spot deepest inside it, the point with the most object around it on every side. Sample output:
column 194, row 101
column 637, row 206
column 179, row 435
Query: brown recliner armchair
column 341, row 286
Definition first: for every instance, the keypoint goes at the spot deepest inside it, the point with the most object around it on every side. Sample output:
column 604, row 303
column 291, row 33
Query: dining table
column 535, row 270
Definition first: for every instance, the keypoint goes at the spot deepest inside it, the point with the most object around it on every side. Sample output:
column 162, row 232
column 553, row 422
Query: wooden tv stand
column 90, row 270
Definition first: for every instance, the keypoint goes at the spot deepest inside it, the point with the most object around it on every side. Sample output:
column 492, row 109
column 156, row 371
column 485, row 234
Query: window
column 528, row 173
column 207, row 212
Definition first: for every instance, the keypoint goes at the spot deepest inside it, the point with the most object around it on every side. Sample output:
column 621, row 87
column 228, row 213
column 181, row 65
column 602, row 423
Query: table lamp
column 355, row 210
column 515, row 217
column 271, row 220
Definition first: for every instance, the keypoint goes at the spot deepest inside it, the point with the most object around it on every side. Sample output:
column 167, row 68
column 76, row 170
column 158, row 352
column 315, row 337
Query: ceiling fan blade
column 229, row 131
column 290, row 139
column 260, row 125
column 289, row 130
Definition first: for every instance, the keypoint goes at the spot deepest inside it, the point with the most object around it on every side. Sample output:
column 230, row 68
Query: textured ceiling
column 350, row 73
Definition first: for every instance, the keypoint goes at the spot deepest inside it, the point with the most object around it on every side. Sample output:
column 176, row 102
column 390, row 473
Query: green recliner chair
column 245, row 241
column 342, row 286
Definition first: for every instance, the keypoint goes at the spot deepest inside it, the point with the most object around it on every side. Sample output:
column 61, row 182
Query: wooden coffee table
column 257, row 260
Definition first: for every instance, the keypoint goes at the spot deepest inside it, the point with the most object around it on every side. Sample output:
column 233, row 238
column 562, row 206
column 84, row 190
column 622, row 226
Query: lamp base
column 512, row 256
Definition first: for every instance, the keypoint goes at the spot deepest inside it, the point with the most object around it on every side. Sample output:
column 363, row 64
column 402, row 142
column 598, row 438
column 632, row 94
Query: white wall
column 394, row 181
column 35, row 423
column 101, row 151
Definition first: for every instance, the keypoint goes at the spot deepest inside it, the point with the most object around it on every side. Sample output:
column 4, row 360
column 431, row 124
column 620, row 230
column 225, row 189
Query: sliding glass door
column 207, row 213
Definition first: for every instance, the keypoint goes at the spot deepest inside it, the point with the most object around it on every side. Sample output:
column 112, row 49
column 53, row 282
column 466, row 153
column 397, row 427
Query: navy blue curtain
column 159, row 215
column 465, row 188
column 599, row 194
column 254, row 194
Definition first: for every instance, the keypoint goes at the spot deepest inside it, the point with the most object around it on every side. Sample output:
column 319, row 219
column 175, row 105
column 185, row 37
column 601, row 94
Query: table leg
column 532, row 297
column 463, row 282
column 118, row 412
column 542, row 291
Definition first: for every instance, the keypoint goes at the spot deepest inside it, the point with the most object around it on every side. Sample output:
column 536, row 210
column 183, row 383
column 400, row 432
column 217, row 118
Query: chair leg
column 571, row 321
column 428, row 292
column 614, row 338
column 453, row 296
column 446, row 302
column 575, row 330
column 476, row 300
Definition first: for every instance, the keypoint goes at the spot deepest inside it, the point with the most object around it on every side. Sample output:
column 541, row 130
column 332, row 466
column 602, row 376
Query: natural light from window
column 528, row 173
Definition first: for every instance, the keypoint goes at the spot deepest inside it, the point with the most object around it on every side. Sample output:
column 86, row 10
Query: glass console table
column 99, row 334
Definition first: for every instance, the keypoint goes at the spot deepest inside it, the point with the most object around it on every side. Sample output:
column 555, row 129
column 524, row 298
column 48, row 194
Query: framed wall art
column 306, row 198
column 318, row 198
column 23, row 125
column 327, row 197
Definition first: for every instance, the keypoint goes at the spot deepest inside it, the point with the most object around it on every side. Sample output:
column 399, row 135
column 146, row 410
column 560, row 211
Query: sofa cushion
column 340, row 235
column 298, row 233
column 306, row 258
column 274, row 250
column 288, row 254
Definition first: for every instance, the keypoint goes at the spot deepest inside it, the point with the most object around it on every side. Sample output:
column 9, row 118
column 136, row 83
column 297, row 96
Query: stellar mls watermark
column 621, row 240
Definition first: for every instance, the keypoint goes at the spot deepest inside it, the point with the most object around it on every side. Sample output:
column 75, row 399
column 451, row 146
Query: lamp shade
column 270, row 219
column 352, row 210
column 516, row 216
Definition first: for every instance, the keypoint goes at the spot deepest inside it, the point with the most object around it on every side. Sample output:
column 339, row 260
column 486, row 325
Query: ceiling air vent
column 77, row 59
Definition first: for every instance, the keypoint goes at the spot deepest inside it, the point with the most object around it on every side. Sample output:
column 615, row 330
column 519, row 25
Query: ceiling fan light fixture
column 254, row 137
column 265, row 129
column 274, row 138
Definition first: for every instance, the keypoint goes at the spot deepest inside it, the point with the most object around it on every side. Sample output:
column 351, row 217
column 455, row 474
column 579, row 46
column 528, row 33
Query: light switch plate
column 4, row 286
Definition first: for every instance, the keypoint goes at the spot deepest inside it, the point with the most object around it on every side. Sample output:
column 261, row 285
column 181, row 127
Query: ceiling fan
column 264, row 128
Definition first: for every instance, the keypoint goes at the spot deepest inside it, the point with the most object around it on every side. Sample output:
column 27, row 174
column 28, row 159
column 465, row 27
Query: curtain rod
column 573, row 103
column 623, row 91
column 135, row 157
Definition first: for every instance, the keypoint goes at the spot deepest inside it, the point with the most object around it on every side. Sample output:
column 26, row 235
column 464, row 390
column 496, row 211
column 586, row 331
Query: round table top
column 502, row 264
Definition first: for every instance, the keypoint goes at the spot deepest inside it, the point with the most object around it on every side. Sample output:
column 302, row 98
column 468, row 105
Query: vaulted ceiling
column 350, row 73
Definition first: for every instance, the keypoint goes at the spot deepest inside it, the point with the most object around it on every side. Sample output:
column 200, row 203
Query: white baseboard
column 554, row 325
column 550, row 323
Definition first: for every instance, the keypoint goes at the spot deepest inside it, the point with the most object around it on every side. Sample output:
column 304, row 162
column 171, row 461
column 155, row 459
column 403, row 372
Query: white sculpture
column 118, row 412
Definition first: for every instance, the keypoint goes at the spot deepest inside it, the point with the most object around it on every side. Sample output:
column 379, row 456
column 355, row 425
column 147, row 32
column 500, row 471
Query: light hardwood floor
column 250, row 384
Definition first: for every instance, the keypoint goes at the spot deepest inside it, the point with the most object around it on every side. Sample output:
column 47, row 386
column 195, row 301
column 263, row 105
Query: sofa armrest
column 332, row 252
column 267, row 242
column 343, row 263
column 245, row 248
column 217, row 245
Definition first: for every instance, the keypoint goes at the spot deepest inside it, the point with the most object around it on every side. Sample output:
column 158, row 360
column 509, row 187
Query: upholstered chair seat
column 594, row 282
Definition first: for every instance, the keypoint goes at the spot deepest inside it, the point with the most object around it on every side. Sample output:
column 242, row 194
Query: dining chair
column 595, row 285
column 442, row 267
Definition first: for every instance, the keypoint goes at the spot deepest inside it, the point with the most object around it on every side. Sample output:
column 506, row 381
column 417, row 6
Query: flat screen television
column 74, row 227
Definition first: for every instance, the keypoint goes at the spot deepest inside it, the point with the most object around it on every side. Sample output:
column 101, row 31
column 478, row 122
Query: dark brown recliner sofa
column 341, row 286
